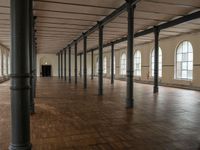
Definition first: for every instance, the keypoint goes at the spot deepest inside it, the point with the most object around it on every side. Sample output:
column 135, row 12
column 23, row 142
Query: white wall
column 50, row 59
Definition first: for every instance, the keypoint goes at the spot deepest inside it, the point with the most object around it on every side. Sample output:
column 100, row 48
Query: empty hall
column 99, row 75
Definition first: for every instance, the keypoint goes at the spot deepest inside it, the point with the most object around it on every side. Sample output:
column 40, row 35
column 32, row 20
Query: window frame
column 180, row 47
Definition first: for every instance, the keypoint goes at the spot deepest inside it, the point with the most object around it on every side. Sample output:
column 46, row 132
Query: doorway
column 46, row 70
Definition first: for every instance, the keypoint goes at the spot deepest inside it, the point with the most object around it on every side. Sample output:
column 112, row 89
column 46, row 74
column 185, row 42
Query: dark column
column 129, row 82
column 70, row 76
column 80, row 65
column 85, row 61
column 31, row 56
column 65, row 65
column 20, row 76
column 61, row 65
column 100, row 77
column 34, row 51
column 156, row 59
column 112, row 63
column 75, row 55
column 92, row 65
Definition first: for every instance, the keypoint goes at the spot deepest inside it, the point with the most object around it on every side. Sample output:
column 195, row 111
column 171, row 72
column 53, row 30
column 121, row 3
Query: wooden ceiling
column 61, row 21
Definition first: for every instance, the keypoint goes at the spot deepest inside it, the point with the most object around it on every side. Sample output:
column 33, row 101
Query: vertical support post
column 34, row 57
column 20, row 76
column 59, row 65
column 112, row 63
column 75, row 55
column 70, row 78
column 129, row 82
column 80, row 65
column 2, row 66
column 92, row 65
column 31, row 55
column 65, row 65
column 61, row 72
column 156, row 59
column 7, row 64
column 85, row 61
column 100, row 77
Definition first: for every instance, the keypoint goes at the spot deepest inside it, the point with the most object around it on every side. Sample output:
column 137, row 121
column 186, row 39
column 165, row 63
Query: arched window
column 137, row 63
column 159, row 62
column 123, row 64
column 104, row 65
column 97, row 66
column 184, row 61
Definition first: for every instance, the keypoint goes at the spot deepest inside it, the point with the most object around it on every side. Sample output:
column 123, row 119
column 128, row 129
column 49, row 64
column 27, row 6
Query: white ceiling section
column 59, row 22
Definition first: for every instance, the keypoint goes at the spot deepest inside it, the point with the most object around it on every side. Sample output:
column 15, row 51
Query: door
column 46, row 70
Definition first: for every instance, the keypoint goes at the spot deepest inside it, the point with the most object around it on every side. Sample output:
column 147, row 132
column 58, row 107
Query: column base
column 129, row 103
column 155, row 90
column 20, row 147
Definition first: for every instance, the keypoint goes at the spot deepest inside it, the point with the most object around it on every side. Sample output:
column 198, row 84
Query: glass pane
column 179, row 57
column 185, row 57
column 190, row 56
column 184, row 74
column 190, row 66
column 185, row 47
column 190, row 49
column 179, row 51
column 184, row 65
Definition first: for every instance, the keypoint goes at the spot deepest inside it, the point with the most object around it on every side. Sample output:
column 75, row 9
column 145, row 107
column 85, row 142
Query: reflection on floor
column 69, row 117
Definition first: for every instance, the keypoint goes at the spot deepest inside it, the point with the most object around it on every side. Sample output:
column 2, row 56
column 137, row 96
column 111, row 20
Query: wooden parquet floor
column 69, row 117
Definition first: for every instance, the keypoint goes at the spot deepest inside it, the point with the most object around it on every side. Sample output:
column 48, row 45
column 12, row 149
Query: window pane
column 190, row 57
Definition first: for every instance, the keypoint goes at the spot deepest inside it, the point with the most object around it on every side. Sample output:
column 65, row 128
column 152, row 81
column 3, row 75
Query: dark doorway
column 46, row 70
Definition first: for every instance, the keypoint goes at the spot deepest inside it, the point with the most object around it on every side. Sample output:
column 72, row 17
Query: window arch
column 104, row 65
column 137, row 63
column 123, row 64
column 159, row 62
column 97, row 65
column 184, row 61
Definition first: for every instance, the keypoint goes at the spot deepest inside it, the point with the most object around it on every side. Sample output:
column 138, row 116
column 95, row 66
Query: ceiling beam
column 163, row 26
column 104, row 21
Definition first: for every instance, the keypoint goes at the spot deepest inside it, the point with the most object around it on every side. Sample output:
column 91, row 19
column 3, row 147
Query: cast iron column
column 20, row 76
column 92, row 65
column 156, row 59
column 129, row 82
column 34, row 51
column 65, row 65
column 112, row 63
column 100, row 77
column 1, row 64
column 70, row 78
column 61, row 55
column 80, row 65
column 75, row 59
column 59, row 65
column 85, row 61
column 7, row 65
column 31, row 55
